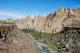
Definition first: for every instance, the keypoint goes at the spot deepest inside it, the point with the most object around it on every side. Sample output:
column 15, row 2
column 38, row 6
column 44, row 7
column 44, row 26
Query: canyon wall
column 68, row 40
column 51, row 23
column 12, row 40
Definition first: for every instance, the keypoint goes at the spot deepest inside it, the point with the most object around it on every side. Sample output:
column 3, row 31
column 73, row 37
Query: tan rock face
column 53, row 22
column 6, row 33
column 27, row 22
column 39, row 23
column 63, row 17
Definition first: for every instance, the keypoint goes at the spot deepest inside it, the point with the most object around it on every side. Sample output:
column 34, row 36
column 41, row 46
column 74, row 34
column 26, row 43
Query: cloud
column 12, row 14
column 17, row 15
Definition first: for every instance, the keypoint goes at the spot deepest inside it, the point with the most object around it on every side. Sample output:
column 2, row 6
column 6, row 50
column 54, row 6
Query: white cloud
column 17, row 15
column 12, row 14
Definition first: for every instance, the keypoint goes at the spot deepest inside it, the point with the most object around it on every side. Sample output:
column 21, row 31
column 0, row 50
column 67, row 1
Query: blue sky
column 21, row 8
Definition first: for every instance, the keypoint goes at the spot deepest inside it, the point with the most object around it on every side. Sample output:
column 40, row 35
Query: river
column 43, row 47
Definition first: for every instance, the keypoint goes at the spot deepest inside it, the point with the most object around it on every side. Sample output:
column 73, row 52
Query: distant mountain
column 3, row 17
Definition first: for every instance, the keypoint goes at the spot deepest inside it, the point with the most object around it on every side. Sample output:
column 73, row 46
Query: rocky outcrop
column 39, row 23
column 53, row 22
column 12, row 40
column 67, row 41
column 56, row 22
column 26, row 22
column 7, row 33
column 63, row 16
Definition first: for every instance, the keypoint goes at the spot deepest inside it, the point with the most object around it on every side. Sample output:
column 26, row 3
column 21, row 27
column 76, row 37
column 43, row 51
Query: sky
column 21, row 8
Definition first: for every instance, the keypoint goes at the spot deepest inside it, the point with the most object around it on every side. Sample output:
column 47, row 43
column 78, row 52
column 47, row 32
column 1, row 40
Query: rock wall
column 12, row 40
column 68, row 40
column 39, row 23
column 53, row 22
column 26, row 22
column 7, row 33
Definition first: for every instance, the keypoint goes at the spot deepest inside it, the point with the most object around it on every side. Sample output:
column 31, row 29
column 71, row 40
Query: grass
column 41, row 36
column 50, row 45
column 47, row 38
column 6, row 23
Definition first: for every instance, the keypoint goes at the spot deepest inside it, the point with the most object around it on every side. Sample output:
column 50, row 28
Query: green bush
column 40, row 36
column 6, row 23
column 48, row 38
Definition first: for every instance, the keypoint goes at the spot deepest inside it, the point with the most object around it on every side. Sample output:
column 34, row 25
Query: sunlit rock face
column 63, row 16
column 68, row 39
column 53, row 22
column 26, row 22
column 39, row 23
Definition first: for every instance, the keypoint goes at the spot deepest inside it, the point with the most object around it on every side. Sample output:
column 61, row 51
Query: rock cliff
column 51, row 23
column 26, row 22
column 67, row 40
column 12, row 40
column 39, row 23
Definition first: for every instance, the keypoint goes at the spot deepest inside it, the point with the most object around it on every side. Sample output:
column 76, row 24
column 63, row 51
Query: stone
column 53, row 22
column 69, row 40
column 27, row 22
column 12, row 40
column 6, row 34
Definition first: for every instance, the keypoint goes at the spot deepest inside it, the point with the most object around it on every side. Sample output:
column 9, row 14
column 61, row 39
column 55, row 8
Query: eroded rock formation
column 68, row 40
column 53, row 22
column 26, row 22
column 39, row 23
column 7, row 33
column 12, row 40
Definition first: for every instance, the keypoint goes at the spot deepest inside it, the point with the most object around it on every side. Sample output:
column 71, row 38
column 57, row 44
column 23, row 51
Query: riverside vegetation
column 43, row 37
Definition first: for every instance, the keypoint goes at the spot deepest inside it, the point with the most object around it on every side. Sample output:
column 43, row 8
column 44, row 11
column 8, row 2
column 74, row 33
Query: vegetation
column 6, row 23
column 47, row 38
column 41, row 36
